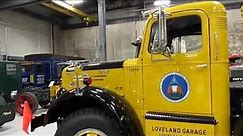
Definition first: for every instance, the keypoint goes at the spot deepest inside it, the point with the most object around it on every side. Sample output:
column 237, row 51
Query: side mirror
column 161, row 36
column 137, row 42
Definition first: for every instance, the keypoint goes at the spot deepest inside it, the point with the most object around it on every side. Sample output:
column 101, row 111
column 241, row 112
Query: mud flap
column 37, row 122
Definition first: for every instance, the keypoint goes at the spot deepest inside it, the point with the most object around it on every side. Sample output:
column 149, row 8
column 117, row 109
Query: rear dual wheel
column 88, row 122
column 30, row 98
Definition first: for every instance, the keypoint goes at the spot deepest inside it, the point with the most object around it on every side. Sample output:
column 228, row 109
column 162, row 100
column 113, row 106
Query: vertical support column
column 53, row 38
column 102, row 30
column 241, row 23
column 241, row 13
column 6, row 42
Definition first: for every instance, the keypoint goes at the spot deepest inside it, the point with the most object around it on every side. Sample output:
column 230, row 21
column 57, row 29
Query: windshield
column 58, row 70
column 36, row 69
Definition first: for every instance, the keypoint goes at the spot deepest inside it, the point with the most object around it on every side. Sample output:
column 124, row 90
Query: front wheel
column 87, row 122
column 30, row 98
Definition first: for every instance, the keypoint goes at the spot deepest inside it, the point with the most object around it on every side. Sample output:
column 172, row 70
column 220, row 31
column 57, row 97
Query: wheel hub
column 90, row 132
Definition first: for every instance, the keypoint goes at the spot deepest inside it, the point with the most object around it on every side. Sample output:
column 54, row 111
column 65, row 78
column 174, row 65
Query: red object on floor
column 27, row 117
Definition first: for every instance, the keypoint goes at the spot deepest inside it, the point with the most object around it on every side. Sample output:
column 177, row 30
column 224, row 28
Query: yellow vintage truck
column 176, row 85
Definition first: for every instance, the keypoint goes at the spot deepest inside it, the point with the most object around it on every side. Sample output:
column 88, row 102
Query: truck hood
column 108, row 75
column 103, row 65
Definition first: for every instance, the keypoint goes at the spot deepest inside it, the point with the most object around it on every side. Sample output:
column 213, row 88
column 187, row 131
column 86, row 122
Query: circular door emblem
column 174, row 87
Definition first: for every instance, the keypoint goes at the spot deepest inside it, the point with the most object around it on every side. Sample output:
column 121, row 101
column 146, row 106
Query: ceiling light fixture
column 63, row 4
column 162, row 2
column 73, row 2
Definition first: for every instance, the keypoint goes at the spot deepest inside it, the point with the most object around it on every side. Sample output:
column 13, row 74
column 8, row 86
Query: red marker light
column 87, row 81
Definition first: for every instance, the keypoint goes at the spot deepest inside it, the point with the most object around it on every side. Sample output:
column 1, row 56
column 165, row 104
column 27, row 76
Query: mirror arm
column 163, row 34
column 160, row 28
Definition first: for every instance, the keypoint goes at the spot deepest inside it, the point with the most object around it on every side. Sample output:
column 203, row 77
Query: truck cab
column 10, row 80
column 178, row 84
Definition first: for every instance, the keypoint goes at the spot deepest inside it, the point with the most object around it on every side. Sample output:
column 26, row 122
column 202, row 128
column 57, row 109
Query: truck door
column 178, row 87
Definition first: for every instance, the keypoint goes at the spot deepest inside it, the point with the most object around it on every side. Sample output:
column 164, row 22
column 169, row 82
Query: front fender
column 112, row 103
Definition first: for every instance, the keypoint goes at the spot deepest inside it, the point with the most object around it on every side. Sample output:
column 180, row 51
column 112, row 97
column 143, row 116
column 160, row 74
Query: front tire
column 30, row 98
column 88, row 121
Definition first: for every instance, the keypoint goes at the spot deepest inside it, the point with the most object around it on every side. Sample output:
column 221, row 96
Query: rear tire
column 88, row 121
column 30, row 98
column 44, row 99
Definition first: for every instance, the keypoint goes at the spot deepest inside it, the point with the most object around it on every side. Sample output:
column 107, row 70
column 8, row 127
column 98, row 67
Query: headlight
column 13, row 93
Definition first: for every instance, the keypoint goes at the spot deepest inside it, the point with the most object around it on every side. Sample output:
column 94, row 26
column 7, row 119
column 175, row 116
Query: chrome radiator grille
column 236, row 73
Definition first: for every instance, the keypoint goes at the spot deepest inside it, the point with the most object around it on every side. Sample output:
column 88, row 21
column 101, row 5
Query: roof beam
column 79, row 13
column 59, row 9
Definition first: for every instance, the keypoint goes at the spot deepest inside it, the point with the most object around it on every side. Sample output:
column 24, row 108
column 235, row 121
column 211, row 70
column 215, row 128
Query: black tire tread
column 2, row 100
column 35, row 100
column 83, row 112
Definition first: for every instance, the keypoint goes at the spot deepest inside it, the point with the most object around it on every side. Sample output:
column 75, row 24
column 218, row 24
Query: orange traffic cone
column 27, row 117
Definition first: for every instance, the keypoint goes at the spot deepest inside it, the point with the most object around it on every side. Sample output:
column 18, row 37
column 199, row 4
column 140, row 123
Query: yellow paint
column 68, row 10
column 54, row 89
column 32, row 79
column 59, row 9
column 186, row 64
column 111, row 79
column 71, row 79
column 206, row 71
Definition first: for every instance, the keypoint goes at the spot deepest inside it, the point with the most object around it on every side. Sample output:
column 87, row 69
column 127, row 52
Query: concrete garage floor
column 14, row 128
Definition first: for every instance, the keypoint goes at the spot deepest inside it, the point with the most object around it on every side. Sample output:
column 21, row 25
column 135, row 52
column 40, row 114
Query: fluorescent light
column 63, row 4
column 162, row 2
column 73, row 2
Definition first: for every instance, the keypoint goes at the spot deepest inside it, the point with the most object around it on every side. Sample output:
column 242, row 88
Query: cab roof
column 206, row 6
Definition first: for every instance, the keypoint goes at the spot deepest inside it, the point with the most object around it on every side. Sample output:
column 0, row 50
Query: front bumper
column 7, row 113
column 236, row 82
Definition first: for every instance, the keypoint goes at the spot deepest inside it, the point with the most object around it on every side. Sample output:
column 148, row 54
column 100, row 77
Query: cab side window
column 184, row 34
column 186, row 44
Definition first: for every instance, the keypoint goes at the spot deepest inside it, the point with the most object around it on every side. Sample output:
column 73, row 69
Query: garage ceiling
column 87, row 9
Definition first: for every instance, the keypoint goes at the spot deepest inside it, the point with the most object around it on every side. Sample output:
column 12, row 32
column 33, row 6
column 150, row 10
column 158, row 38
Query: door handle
column 202, row 66
column 199, row 67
